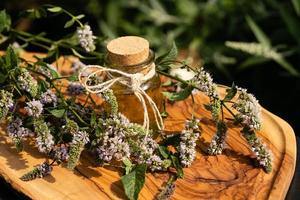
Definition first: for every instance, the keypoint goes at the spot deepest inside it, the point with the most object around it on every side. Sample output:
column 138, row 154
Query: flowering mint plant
column 35, row 105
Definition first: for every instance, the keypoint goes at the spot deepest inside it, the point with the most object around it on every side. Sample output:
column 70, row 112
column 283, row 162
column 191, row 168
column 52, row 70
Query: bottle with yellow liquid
column 132, row 55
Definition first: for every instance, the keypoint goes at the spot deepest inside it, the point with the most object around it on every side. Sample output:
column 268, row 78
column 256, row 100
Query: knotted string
column 132, row 81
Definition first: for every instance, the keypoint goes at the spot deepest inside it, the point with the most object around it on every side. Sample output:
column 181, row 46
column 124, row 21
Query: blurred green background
column 255, row 43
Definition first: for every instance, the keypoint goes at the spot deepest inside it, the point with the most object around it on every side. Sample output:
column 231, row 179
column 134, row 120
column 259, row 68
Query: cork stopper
column 127, row 50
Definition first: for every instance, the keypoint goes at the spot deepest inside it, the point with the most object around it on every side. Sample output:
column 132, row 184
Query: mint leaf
column 128, row 165
column 259, row 34
column 11, row 58
column 178, row 96
column 55, row 9
column 73, row 77
column 230, row 93
column 93, row 120
column 164, row 151
column 80, row 16
column 69, row 23
column 36, row 13
column 177, row 165
column 296, row 4
column 170, row 55
column 134, row 181
column 59, row 113
column 5, row 21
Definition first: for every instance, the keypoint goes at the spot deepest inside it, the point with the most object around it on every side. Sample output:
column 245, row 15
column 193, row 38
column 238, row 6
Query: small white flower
column 86, row 38
column 249, row 109
column 183, row 73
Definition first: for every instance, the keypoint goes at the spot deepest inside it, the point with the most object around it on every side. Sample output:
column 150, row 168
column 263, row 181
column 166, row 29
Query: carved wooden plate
column 231, row 175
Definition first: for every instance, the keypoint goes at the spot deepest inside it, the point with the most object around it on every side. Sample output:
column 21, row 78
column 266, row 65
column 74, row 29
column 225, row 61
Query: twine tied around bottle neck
column 133, row 81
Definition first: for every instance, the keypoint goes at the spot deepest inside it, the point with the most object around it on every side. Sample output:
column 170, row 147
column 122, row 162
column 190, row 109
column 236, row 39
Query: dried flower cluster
column 217, row 144
column 49, row 97
column 6, row 103
column 112, row 144
column 166, row 192
column 75, row 88
column 39, row 172
column 44, row 139
column 16, row 131
column 205, row 84
column 263, row 155
column 187, row 146
column 249, row 110
column 148, row 154
column 86, row 38
column 27, row 82
column 60, row 153
column 80, row 138
column 34, row 108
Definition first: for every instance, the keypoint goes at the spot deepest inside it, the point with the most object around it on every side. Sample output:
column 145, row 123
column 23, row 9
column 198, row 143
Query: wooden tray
column 227, row 176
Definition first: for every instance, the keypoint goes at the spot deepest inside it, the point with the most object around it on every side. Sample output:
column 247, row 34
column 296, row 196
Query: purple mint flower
column 44, row 169
column 77, row 66
column 34, row 108
column 45, row 142
column 27, row 82
column 16, row 130
column 187, row 145
column 60, row 153
column 49, row 97
column 75, row 88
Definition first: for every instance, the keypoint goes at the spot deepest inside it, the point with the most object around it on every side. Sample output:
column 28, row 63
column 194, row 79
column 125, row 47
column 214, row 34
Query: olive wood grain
column 231, row 175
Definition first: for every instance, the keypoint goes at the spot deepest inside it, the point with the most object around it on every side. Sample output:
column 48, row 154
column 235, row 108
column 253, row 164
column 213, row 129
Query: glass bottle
column 139, row 61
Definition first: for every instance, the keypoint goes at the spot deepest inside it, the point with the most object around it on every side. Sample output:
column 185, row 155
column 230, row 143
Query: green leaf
column 164, row 114
column 128, row 165
column 287, row 66
column 164, row 151
column 258, row 49
column 55, row 9
column 252, row 61
column 292, row 22
column 296, row 4
column 177, row 165
column 11, row 58
column 59, row 113
column 77, row 54
column 170, row 55
column 69, row 23
column 134, row 181
column 178, row 96
column 93, row 120
column 73, row 78
column 5, row 21
column 259, row 34
column 230, row 93
column 79, row 16
column 36, row 13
